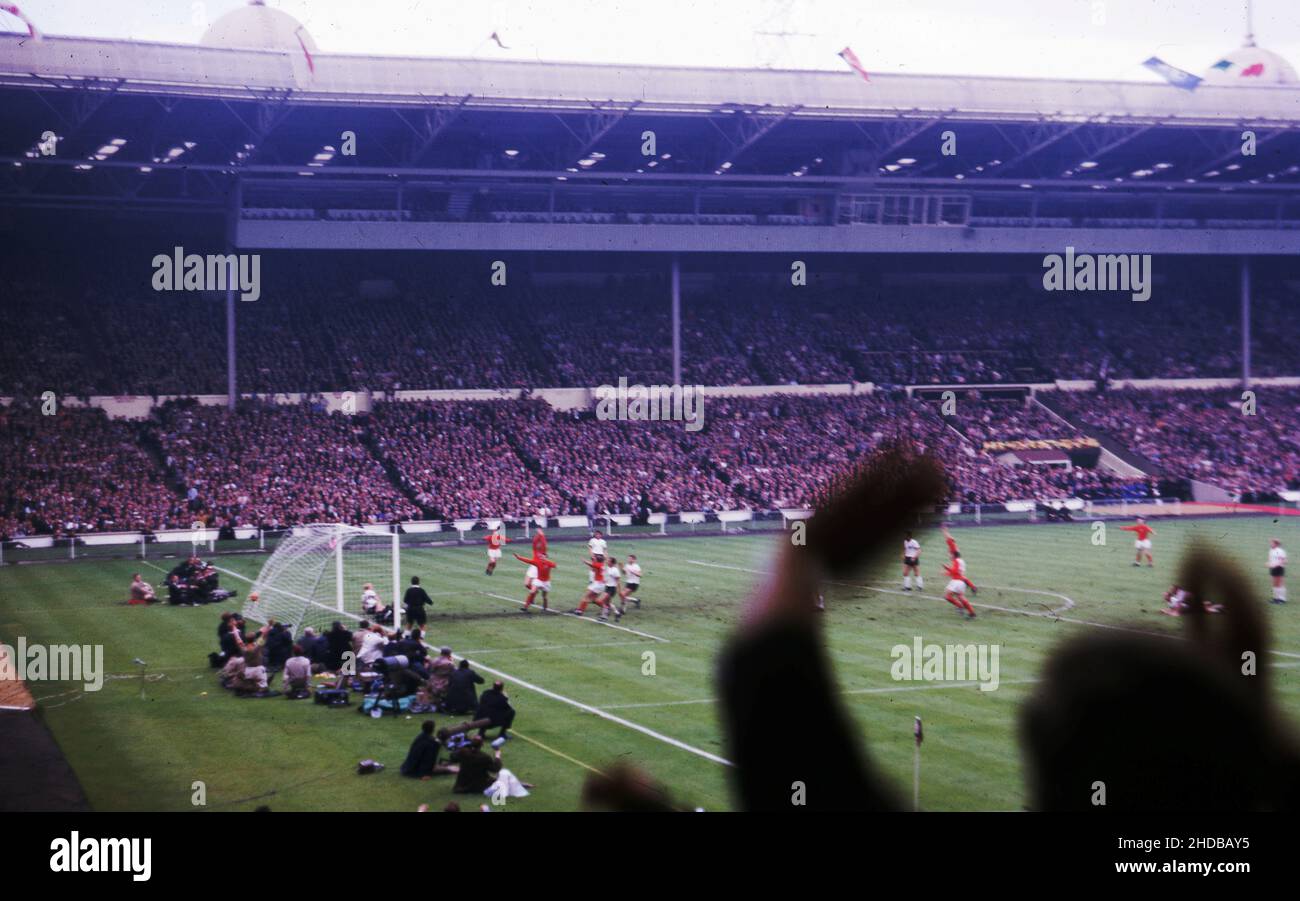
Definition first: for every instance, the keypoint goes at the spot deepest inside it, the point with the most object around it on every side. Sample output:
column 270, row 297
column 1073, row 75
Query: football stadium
column 342, row 393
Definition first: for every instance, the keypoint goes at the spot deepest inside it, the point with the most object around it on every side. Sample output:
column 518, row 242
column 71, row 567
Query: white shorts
column 596, row 587
column 956, row 586
column 1143, row 545
column 494, row 554
column 539, row 585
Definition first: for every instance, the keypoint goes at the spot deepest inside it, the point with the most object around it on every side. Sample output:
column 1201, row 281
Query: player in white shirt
column 912, row 563
column 372, row 606
column 612, row 575
column 632, row 572
column 1277, row 569
column 597, row 546
column 1178, row 600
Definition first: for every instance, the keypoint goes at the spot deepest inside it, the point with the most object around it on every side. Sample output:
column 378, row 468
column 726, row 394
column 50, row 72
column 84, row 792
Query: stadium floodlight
column 318, row 573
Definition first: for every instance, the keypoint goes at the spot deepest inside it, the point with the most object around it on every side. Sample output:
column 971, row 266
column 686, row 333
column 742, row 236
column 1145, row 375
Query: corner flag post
column 916, row 765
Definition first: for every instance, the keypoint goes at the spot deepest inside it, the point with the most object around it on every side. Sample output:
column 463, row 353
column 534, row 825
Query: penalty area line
column 1042, row 614
column 631, row 643
column 894, row 689
column 587, row 708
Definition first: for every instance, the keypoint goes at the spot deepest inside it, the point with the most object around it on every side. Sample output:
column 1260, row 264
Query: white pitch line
column 502, row 597
column 557, row 647
column 1039, row 613
column 935, row 686
column 666, row 739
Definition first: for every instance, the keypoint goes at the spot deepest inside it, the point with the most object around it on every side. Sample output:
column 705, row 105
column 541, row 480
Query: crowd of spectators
column 456, row 459
column 1209, row 436
column 77, row 470
column 278, row 465
column 315, row 329
column 274, row 466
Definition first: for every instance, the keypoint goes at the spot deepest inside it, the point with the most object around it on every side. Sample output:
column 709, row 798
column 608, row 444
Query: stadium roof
column 154, row 125
column 220, row 72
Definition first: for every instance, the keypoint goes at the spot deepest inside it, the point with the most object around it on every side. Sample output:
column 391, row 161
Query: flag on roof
column 13, row 10
column 851, row 58
column 311, row 64
column 1172, row 74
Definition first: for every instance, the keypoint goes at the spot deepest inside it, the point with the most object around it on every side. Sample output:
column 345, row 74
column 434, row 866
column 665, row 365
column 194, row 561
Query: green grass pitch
column 145, row 754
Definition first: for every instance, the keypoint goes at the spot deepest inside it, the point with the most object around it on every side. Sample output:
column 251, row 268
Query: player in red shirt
column 494, row 540
column 595, row 589
column 1143, row 543
column 540, row 582
column 955, row 593
column 947, row 537
column 539, row 542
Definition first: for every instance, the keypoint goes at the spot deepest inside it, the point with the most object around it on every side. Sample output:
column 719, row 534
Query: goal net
column 318, row 575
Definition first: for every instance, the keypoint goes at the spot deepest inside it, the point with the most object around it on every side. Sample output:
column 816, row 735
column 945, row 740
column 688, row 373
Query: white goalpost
column 317, row 575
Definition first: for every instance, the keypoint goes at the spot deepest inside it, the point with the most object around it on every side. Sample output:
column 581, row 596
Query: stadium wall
column 363, row 401
column 564, row 399
column 508, row 236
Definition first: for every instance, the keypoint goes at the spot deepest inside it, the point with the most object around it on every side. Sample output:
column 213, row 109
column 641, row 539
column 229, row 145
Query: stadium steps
column 458, row 205
column 1108, row 441
column 390, row 469
column 146, row 438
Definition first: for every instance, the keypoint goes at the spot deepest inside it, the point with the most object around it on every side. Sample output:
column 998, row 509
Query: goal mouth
column 326, row 572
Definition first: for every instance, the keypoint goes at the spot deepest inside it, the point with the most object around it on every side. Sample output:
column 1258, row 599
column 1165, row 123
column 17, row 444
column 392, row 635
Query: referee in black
column 414, row 601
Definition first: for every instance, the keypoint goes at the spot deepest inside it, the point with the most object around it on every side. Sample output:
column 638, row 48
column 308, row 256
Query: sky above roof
column 1092, row 39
